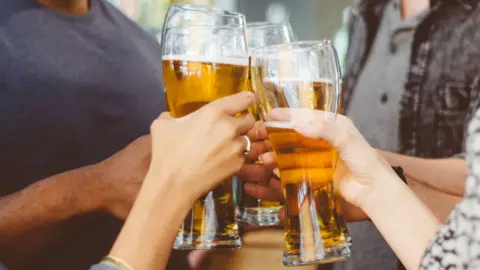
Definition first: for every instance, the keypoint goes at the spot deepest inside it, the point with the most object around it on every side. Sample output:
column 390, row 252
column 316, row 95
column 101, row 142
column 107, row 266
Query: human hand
column 255, row 173
column 190, row 156
column 203, row 148
column 274, row 192
column 272, row 189
column 260, row 177
column 360, row 167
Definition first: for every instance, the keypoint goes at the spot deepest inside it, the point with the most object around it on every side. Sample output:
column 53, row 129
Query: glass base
column 336, row 255
column 259, row 216
column 199, row 245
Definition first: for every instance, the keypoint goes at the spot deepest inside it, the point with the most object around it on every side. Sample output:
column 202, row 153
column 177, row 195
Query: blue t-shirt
column 74, row 89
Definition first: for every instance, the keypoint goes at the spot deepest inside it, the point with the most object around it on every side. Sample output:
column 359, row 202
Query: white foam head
column 228, row 60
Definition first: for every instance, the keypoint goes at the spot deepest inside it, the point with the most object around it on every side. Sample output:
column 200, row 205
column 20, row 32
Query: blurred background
column 310, row 19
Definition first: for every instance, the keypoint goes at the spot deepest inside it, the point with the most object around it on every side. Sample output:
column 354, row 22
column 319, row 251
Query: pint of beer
column 184, row 14
column 202, row 64
column 251, row 210
column 292, row 81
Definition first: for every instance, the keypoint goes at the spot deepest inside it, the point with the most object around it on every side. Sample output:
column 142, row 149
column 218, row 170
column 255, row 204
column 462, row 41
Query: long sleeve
column 457, row 244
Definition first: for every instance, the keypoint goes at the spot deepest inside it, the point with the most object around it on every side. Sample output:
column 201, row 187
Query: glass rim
column 266, row 24
column 206, row 8
column 296, row 46
column 179, row 30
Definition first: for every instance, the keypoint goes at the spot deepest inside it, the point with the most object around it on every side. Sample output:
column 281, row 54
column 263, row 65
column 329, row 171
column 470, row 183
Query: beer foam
column 236, row 61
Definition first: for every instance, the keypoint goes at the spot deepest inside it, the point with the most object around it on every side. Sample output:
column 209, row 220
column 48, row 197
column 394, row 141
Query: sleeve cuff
column 460, row 156
column 103, row 266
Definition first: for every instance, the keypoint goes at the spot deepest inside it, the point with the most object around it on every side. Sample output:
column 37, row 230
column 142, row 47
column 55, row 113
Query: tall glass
column 184, row 15
column 300, row 78
column 202, row 64
column 262, row 34
column 251, row 210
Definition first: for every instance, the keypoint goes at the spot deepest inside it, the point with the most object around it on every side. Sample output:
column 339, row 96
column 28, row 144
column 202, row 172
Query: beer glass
column 251, row 210
column 184, row 15
column 202, row 64
column 299, row 78
column 262, row 34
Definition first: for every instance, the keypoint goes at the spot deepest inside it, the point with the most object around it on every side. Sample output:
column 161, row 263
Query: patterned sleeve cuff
column 460, row 156
column 103, row 266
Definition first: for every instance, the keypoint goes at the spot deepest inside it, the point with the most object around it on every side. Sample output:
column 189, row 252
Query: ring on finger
column 249, row 145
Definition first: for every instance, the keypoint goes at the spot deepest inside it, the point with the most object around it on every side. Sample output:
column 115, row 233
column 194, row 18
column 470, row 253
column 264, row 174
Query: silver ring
column 249, row 145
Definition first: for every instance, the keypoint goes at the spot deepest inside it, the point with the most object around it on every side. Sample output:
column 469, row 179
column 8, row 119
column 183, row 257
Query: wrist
column 153, row 223
column 385, row 191
column 94, row 189
column 163, row 178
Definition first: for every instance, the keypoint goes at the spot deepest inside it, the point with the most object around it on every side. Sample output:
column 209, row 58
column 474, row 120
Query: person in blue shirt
column 80, row 85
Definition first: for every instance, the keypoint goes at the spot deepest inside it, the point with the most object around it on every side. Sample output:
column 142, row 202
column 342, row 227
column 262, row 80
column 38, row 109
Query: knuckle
column 317, row 130
column 228, row 128
column 238, row 147
column 344, row 137
column 251, row 120
column 211, row 112
column 347, row 122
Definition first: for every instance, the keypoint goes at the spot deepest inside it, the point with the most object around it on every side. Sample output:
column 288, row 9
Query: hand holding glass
column 251, row 210
column 202, row 64
column 295, row 79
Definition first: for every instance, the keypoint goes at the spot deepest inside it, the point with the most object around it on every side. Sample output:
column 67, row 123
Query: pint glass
column 184, row 15
column 251, row 210
column 202, row 64
column 299, row 78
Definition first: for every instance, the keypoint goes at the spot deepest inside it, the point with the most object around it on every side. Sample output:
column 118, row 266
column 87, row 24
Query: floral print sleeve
column 457, row 244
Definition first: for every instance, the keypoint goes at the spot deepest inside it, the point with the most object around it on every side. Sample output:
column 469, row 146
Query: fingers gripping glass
column 251, row 210
column 291, row 81
column 202, row 64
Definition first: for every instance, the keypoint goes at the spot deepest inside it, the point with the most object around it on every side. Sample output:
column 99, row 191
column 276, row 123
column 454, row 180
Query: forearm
column 441, row 204
column 405, row 223
column 147, row 237
column 37, row 215
column 446, row 175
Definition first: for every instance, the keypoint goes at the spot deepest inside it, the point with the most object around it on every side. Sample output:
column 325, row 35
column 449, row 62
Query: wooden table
column 262, row 250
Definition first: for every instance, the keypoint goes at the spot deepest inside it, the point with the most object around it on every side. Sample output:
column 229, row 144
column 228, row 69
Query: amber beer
column 314, row 228
column 192, row 82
